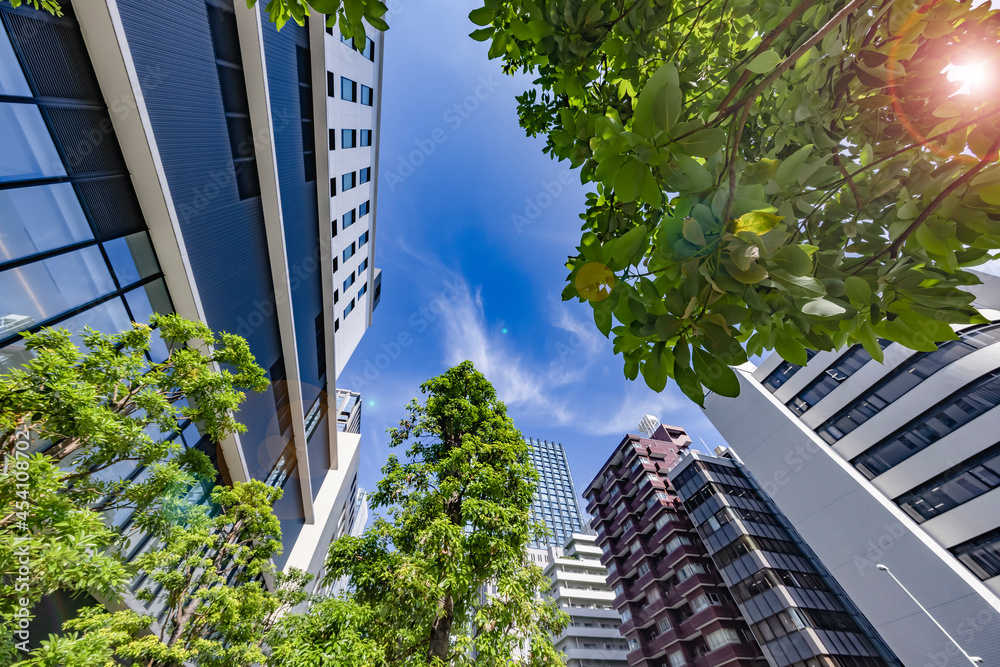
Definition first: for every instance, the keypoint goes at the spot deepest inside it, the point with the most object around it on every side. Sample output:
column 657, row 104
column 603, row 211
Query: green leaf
column 822, row 308
column 482, row 34
column 628, row 245
column 857, row 290
column 791, row 349
column 704, row 143
column 654, row 371
column 692, row 232
column 794, row 260
column 628, row 179
column 990, row 194
column 764, row 62
column 717, row 376
column 650, row 191
column 751, row 276
column 602, row 316
column 687, row 380
column 696, row 172
column 870, row 342
column 659, row 103
column 788, row 170
column 758, row 222
column 482, row 16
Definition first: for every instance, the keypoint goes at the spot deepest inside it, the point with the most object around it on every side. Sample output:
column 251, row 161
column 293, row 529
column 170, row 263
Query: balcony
column 725, row 654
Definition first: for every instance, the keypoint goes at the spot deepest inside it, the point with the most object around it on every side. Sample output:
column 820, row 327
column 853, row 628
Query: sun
column 977, row 79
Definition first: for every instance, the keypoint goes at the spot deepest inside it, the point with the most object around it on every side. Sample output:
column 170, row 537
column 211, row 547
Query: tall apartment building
column 894, row 464
column 555, row 503
column 182, row 157
column 673, row 603
column 798, row 613
column 579, row 588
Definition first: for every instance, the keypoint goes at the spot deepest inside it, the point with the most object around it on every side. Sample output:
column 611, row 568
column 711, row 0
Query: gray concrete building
column 893, row 464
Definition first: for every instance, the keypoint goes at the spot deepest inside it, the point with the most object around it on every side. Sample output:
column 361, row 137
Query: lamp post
column 975, row 660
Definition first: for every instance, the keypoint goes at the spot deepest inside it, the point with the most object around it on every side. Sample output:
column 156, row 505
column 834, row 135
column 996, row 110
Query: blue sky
column 474, row 226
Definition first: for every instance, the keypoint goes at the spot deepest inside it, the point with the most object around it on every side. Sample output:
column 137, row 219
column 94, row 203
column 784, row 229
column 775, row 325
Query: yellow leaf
column 757, row 222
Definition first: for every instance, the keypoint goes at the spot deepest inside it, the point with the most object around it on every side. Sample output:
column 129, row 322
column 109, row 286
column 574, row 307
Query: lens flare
column 977, row 79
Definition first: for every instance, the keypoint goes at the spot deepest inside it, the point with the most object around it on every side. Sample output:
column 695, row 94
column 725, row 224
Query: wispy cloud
column 570, row 387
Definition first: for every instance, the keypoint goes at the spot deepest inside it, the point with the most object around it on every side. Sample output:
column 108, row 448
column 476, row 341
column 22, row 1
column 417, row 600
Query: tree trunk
column 440, row 643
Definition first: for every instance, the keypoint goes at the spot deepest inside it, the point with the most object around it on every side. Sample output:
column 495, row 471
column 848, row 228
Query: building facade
column 555, row 503
column 798, row 613
column 579, row 588
column 673, row 603
column 181, row 157
column 893, row 464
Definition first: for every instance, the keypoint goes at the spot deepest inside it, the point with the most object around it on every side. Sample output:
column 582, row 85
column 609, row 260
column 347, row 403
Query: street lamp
column 975, row 660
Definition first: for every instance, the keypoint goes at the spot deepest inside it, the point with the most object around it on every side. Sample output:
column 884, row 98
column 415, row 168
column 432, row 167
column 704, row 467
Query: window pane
column 109, row 317
column 28, row 150
column 40, row 218
column 12, row 81
column 132, row 258
column 44, row 289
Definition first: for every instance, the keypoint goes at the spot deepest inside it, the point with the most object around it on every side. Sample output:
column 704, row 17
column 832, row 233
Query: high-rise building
column 798, row 613
column 579, row 588
column 188, row 157
column 555, row 503
column 673, row 603
column 648, row 425
column 893, row 464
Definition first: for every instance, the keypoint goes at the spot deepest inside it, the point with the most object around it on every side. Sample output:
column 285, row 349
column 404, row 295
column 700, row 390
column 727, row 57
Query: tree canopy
column 88, row 436
column 766, row 175
column 445, row 578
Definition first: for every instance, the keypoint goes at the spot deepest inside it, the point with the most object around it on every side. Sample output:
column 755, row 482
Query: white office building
column 894, row 464
column 353, row 110
column 578, row 585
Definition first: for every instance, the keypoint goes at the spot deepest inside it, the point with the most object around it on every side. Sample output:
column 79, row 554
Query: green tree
column 766, row 175
column 74, row 426
column 209, row 571
column 458, row 521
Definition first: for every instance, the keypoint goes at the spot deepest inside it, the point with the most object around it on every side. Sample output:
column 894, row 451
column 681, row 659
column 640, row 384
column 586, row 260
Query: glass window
column 40, row 218
column 677, row 657
column 143, row 302
column 349, row 218
column 349, row 308
column 348, row 138
column 366, row 174
column 349, row 281
column 44, row 289
column 944, row 418
column 959, row 485
column 28, row 150
column 783, row 373
column 981, row 555
column 721, row 637
column 348, row 181
column 363, row 239
column 132, row 258
column 366, row 95
column 904, row 378
column 363, row 265
column 366, row 137
column 12, row 81
column 348, row 89
column 363, row 209
column 109, row 317
column 830, row 379
column 349, row 252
